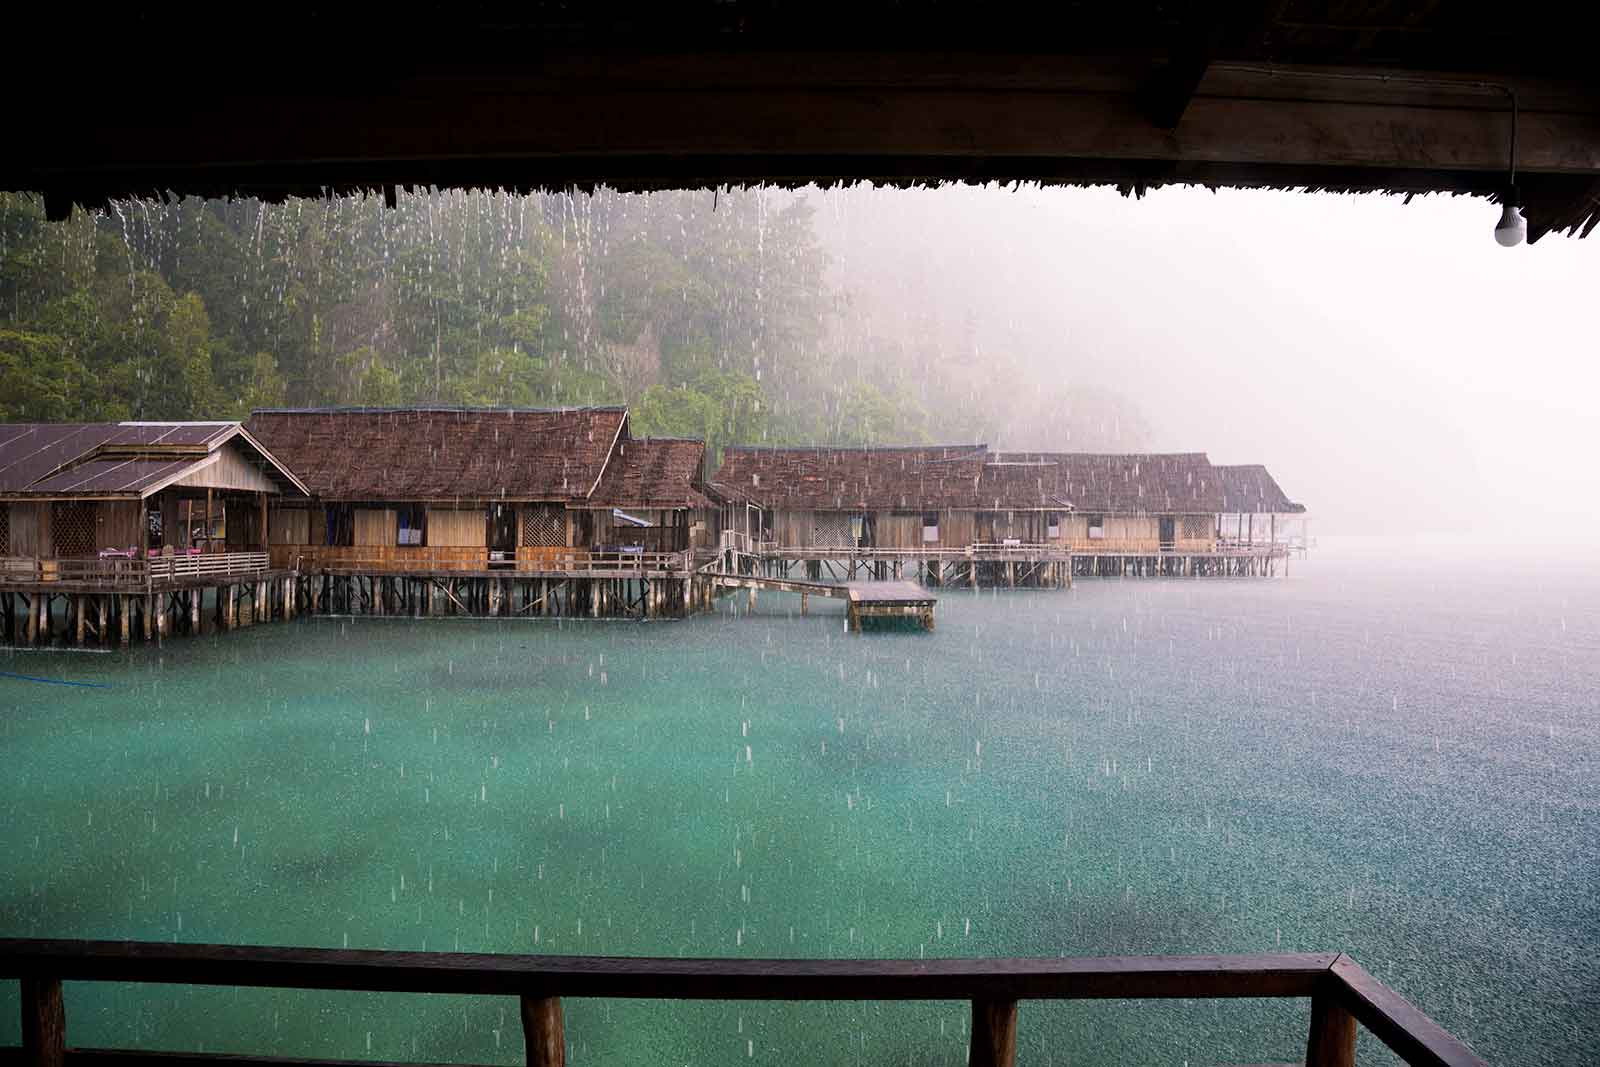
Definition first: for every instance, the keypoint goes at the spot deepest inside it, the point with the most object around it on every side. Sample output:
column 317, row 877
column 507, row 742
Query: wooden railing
column 1341, row 993
column 220, row 565
column 126, row 573
column 563, row 560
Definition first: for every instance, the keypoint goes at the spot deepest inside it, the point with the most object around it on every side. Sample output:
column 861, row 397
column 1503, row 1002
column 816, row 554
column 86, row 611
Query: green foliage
column 708, row 317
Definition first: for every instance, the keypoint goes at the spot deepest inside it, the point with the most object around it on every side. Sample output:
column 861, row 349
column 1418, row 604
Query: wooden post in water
column 78, row 618
column 994, row 1034
column 44, row 1023
column 544, row 1031
column 1332, row 1041
column 125, row 624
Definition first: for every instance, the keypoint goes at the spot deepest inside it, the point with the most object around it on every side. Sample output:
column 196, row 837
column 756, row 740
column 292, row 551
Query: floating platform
column 889, row 600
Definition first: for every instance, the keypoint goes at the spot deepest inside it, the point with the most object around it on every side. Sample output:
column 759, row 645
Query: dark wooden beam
column 1159, row 977
column 1413, row 1036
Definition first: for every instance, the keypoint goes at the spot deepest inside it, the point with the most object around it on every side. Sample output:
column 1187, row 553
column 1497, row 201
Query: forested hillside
column 711, row 316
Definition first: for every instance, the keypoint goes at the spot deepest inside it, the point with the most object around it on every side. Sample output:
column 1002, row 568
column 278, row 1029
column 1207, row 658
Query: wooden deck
column 1341, row 993
column 890, row 600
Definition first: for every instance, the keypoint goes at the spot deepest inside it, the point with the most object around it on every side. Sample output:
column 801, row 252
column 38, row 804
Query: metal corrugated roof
column 114, row 458
column 112, row 476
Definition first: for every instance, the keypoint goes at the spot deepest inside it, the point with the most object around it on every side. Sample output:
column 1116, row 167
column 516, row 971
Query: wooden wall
column 374, row 526
column 30, row 529
column 117, row 524
column 1139, row 533
column 457, row 528
column 289, row 526
column 898, row 530
column 229, row 469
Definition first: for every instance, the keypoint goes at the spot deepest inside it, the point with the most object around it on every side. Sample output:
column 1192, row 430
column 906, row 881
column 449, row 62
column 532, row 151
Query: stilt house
column 1252, row 502
column 1131, row 502
column 844, row 498
column 443, row 488
column 130, row 490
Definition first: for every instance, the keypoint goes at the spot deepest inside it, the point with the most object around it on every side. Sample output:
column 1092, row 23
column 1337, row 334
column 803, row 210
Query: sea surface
column 1392, row 753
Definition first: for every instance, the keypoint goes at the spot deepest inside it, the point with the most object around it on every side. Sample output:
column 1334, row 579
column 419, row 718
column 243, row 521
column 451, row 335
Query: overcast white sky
column 1394, row 367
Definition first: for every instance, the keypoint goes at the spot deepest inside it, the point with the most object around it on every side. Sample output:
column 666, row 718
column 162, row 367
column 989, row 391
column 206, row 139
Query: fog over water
column 1396, row 369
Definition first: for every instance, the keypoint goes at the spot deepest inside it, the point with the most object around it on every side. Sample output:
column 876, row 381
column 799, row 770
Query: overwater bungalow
column 1133, row 502
column 845, row 499
column 1252, row 503
column 456, row 489
column 125, row 521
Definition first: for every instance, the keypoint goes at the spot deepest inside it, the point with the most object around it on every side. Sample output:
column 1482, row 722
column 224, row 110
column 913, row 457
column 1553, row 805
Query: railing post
column 544, row 1031
column 44, row 1023
column 994, row 1034
column 1332, row 1041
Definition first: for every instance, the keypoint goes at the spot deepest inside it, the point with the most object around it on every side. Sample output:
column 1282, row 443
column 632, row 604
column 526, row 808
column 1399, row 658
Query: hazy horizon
column 1394, row 368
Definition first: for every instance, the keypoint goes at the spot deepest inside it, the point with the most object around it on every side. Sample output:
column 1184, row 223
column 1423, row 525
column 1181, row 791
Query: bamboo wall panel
column 319, row 526
column 289, row 526
column 374, row 526
column 457, row 528
column 5, row 529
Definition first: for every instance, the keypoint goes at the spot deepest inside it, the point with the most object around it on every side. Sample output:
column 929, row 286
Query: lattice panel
column 72, row 529
column 544, row 527
column 5, row 529
column 831, row 530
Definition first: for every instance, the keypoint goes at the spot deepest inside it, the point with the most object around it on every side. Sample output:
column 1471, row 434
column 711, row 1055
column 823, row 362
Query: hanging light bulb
column 1512, row 229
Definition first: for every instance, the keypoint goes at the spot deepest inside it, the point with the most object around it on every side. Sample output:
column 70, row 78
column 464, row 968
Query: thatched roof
column 1132, row 483
column 839, row 479
column 1023, row 485
column 653, row 472
column 1249, row 488
column 122, row 459
column 444, row 453
column 1314, row 94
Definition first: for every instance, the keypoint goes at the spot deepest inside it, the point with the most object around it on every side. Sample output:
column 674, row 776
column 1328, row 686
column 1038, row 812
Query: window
column 1052, row 522
column 930, row 528
column 412, row 524
column 1097, row 527
column 339, row 529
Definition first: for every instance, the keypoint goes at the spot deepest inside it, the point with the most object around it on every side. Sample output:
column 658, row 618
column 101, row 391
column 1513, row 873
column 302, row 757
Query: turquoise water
column 1398, row 760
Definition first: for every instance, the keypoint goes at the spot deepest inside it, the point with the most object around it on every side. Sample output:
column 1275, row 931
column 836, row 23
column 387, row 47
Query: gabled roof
column 653, row 472
column 445, row 453
column 1249, row 488
column 122, row 458
column 1133, row 483
column 825, row 478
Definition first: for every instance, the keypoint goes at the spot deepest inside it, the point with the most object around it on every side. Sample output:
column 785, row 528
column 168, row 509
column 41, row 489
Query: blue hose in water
column 53, row 681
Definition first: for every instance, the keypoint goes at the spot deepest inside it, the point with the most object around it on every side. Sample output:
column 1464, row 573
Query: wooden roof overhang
column 1387, row 95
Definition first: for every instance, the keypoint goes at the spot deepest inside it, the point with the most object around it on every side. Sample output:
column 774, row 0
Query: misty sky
column 1396, row 369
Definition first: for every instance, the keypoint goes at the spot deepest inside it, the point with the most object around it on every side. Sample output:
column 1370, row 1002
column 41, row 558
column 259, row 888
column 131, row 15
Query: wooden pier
column 84, row 602
column 890, row 601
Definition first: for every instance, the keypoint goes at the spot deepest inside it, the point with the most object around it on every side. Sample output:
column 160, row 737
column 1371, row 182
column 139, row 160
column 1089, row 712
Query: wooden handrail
column 1341, row 992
